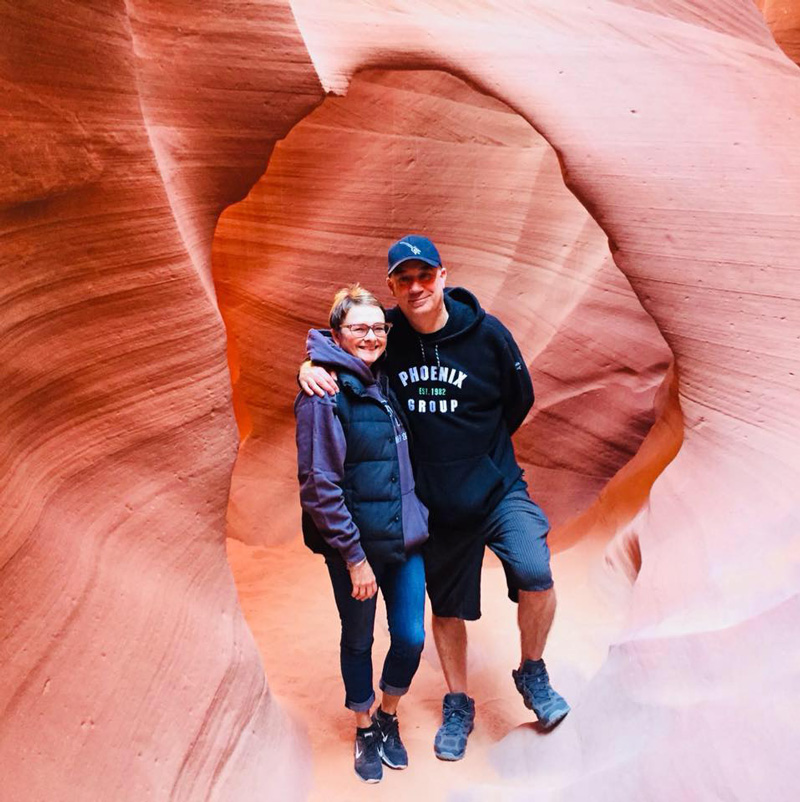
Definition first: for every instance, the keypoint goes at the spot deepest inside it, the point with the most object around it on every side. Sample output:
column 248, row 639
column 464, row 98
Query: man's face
column 418, row 288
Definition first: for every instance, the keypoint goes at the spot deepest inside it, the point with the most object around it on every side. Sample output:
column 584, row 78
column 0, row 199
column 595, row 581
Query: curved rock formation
column 128, row 670
column 421, row 151
column 783, row 18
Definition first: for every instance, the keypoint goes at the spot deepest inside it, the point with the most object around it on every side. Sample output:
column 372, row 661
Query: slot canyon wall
column 128, row 127
column 783, row 18
column 433, row 155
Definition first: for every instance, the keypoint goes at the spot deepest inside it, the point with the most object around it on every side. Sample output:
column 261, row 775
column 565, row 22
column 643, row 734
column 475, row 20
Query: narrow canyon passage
column 129, row 670
column 286, row 597
column 424, row 152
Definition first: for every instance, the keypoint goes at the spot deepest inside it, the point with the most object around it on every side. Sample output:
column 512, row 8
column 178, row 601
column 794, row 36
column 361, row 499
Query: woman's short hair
column 348, row 297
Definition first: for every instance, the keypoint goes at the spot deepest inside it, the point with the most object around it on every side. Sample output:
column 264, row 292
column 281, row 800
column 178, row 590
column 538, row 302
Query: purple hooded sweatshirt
column 321, row 449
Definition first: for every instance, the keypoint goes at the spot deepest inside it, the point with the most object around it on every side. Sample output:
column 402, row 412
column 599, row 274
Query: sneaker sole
column 556, row 720
column 448, row 756
column 551, row 722
column 371, row 781
column 387, row 762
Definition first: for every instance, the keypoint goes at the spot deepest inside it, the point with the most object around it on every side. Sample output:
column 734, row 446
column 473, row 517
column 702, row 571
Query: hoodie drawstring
column 435, row 350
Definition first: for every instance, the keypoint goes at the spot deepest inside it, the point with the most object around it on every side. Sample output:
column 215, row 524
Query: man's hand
column 364, row 584
column 315, row 380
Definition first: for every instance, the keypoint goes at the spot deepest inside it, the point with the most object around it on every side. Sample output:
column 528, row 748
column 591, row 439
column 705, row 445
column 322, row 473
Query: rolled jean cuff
column 361, row 707
column 391, row 690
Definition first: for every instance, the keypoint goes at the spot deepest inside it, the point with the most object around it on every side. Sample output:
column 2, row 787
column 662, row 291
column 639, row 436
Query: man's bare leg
column 535, row 617
column 450, row 636
column 458, row 710
column 536, row 611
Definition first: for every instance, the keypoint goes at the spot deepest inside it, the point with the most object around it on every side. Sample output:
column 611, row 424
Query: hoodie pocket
column 460, row 491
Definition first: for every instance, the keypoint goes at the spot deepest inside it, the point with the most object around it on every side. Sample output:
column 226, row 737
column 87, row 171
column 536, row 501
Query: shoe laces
column 454, row 719
column 370, row 741
column 539, row 686
column 390, row 727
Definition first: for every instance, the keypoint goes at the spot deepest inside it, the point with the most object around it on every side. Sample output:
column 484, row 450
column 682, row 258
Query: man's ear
column 443, row 274
column 390, row 284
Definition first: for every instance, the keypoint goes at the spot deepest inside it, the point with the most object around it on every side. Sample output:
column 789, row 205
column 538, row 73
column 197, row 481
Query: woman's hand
column 364, row 584
column 315, row 380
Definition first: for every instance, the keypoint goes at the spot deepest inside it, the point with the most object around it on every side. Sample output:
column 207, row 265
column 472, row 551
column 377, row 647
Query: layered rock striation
column 783, row 18
column 422, row 152
column 129, row 672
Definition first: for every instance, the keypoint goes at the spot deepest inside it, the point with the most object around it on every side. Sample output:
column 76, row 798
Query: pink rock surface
column 421, row 151
column 128, row 670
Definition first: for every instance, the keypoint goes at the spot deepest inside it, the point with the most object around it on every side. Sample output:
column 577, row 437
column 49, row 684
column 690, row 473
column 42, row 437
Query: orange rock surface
column 421, row 151
column 129, row 671
column 783, row 18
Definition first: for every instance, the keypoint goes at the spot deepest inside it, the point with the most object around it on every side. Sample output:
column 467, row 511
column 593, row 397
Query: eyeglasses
column 380, row 330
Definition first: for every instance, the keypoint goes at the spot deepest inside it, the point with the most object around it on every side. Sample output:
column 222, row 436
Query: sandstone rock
column 128, row 670
column 423, row 152
column 783, row 18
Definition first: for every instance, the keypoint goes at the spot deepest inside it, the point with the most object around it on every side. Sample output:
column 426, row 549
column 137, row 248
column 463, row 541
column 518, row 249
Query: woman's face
column 367, row 347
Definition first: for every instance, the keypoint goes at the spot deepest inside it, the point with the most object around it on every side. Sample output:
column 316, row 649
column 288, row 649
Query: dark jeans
column 403, row 589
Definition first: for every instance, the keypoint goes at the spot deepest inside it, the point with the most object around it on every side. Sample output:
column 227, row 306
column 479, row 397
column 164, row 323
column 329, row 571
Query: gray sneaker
column 458, row 719
column 390, row 747
column 533, row 683
column 368, row 764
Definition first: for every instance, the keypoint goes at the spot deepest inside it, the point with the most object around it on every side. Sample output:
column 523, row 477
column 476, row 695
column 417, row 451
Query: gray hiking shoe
column 390, row 747
column 367, row 763
column 533, row 683
column 458, row 719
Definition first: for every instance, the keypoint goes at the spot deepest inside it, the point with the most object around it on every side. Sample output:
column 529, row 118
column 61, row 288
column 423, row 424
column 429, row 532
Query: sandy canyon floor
column 287, row 601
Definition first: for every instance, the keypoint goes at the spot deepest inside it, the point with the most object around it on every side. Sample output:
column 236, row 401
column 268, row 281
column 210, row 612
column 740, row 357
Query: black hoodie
column 464, row 390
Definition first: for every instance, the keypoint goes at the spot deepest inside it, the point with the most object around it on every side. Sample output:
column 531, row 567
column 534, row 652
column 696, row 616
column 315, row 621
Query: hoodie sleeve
column 516, row 384
column 321, row 449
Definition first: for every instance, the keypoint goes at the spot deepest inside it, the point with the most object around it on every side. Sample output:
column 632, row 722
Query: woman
column 361, row 512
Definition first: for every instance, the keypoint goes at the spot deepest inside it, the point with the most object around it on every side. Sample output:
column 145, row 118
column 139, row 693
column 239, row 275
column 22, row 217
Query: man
column 465, row 389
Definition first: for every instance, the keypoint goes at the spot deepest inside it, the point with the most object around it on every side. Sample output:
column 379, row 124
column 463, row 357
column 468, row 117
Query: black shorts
column 516, row 531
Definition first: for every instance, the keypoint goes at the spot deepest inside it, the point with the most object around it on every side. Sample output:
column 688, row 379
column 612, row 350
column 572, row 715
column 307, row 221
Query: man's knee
column 538, row 597
column 447, row 623
column 533, row 575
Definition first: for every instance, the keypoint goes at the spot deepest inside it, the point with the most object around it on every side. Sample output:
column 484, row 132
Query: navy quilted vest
column 371, row 482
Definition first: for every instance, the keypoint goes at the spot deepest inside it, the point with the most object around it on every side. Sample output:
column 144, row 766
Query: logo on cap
column 420, row 248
